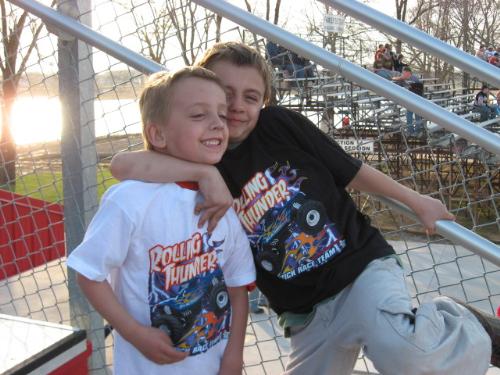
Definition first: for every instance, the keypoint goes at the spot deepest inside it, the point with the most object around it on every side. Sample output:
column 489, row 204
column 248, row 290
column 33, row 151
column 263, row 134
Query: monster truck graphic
column 196, row 313
column 291, row 234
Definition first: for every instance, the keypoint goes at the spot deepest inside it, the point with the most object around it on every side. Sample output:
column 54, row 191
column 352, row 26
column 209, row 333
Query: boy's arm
column 232, row 360
column 428, row 209
column 152, row 342
column 155, row 167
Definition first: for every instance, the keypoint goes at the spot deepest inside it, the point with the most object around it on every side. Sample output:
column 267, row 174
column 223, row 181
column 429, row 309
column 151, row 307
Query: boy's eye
column 252, row 98
column 197, row 115
column 223, row 116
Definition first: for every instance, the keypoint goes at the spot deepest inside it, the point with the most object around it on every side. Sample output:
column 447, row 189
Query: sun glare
column 36, row 120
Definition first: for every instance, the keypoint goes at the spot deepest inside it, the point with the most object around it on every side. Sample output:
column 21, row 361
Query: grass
column 47, row 185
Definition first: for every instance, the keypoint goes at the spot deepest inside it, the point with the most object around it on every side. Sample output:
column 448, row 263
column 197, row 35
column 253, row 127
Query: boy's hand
column 429, row 210
column 217, row 201
column 155, row 345
column 232, row 363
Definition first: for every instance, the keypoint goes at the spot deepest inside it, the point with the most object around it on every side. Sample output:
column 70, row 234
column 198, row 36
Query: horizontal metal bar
column 417, row 38
column 454, row 232
column 450, row 121
column 86, row 34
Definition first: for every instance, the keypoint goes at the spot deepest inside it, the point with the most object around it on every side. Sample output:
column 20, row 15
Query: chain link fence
column 67, row 108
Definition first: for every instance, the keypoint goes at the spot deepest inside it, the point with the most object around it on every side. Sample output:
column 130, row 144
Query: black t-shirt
column 308, row 239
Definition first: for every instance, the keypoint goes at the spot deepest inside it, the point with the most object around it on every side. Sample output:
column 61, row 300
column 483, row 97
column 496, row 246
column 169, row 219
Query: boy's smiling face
column 195, row 129
column 245, row 96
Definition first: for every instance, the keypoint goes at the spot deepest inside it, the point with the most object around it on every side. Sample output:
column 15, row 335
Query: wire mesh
column 36, row 192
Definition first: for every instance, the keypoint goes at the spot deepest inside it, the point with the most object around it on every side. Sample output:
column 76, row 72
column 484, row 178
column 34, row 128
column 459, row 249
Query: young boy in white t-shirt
column 177, row 295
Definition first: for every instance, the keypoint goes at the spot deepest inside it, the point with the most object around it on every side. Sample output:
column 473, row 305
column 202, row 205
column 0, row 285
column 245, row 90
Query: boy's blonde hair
column 154, row 102
column 239, row 54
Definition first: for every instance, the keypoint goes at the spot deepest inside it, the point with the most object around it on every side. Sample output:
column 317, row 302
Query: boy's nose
column 236, row 104
column 217, row 123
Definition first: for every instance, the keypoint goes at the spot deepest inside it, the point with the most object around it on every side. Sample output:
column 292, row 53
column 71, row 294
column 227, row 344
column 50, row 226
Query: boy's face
column 245, row 96
column 195, row 129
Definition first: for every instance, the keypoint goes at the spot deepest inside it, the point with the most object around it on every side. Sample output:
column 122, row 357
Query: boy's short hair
column 407, row 69
column 239, row 54
column 155, row 95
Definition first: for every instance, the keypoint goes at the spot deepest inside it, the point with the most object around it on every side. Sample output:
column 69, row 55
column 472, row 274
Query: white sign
column 333, row 23
column 356, row 145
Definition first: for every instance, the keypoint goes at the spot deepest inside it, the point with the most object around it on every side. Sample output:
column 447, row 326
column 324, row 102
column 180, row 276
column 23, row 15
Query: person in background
column 480, row 52
column 497, row 105
column 481, row 104
column 379, row 53
column 495, row 59
column 177, row 296
column 413, row 83
column 388, row 57
column 399, row 64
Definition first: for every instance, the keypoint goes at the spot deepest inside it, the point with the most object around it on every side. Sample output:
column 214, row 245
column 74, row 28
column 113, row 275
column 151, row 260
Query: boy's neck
column 232, row 146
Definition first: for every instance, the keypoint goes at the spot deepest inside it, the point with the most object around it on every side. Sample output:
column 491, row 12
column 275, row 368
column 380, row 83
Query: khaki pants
column 375, row 313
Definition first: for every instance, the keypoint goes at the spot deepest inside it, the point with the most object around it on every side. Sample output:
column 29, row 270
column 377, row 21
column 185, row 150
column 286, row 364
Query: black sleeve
column 283, row 125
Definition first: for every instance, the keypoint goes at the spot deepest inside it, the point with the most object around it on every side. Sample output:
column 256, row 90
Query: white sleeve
column 238, row 266
column 105, row 244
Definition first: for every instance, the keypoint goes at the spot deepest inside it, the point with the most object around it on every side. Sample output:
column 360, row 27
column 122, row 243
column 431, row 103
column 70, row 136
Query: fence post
column 79, row 163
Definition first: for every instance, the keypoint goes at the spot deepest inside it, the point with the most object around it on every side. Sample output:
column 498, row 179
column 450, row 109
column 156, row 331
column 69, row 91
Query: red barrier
column 31, row 233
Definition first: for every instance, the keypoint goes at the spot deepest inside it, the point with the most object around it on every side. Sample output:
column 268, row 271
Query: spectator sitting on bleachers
column 276, row 54
column 488, row 53
column 288, row 61
column 481, row 104
column 413, row 83
column 298, row 67
column 385, row 73
column 480, row 52
column 388, row 58
column 495, row 59
column 399, row 64
column 497, row 105
column 378, row 54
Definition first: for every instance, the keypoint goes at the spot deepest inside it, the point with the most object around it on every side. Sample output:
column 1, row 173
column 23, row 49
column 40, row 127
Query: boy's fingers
column 205, row 216
column 200, row 206
column 214, row 220
column 172, row 355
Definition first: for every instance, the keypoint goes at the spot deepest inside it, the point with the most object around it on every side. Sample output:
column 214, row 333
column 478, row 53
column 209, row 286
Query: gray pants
column 375, row 313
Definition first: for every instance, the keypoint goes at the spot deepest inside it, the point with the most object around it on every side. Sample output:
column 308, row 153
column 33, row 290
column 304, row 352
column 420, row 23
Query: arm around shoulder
column 152, row 166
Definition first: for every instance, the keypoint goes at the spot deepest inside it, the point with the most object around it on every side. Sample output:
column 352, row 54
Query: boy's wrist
column 130, row 331
column 203, row 171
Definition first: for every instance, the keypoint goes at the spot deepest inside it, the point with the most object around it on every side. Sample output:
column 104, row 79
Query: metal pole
column 79, row 165
column 54, row 19
column 450, row 121
column 454, row 232
column 418, row 38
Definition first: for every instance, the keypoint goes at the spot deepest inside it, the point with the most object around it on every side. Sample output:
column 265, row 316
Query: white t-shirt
column 166, row 271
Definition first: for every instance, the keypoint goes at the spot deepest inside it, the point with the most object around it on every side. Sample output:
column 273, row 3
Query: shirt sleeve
column 280, row 123
column 238, row 266
column 105, row 244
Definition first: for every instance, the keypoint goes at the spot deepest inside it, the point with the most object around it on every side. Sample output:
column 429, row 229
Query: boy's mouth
column 212, row 142
column 235, row 120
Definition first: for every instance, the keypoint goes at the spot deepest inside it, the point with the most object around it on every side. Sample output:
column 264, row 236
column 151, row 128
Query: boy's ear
column 156, row 135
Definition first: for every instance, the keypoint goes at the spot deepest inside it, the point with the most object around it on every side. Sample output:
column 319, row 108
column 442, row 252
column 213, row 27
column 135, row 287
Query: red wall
column 31, row 233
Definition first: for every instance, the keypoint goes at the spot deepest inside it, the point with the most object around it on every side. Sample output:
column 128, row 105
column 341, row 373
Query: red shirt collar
column 191, row 185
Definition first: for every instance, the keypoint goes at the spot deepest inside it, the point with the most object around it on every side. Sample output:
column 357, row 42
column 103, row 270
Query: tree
column 173, row 19
column 422, row 7
column 12, row 65
column 465, row 24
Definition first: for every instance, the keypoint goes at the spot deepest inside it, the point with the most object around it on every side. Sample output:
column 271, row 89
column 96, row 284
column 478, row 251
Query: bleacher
column 374, row 115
